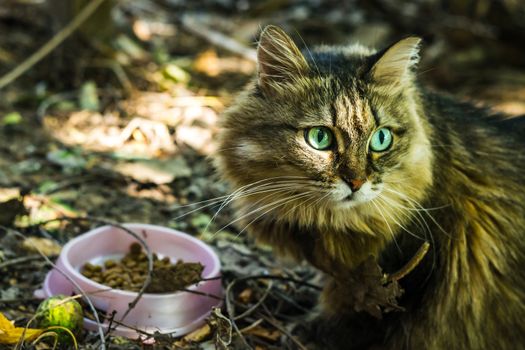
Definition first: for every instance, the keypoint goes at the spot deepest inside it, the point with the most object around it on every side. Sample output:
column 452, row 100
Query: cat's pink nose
column 356, row 184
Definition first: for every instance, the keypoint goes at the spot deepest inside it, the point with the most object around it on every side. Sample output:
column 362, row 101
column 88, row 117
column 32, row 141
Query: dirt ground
column 119, row 125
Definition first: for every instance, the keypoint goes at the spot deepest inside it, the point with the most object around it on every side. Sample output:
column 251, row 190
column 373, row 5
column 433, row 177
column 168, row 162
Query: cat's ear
column 279, row 59
column 396, row 64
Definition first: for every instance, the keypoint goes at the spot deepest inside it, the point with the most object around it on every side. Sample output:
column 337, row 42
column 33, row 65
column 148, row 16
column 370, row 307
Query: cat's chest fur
column 443, row 172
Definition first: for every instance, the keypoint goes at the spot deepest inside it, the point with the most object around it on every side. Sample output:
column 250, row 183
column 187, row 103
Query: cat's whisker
column 418, row 218
column 430, row 236
column 234, row 196
column 396, row 219
column 228, row 201
column 415, row 203
column 387, row 224
column 418, row 209
column 428, row 233
column 244, row 190
column 307, row 195
column 306, row 208
column 273, row 191
column 252, row 212
column 218, row 199
column 290, row 190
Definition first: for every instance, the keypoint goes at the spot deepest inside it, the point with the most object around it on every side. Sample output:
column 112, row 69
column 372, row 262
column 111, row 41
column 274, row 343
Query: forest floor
column 122, row 130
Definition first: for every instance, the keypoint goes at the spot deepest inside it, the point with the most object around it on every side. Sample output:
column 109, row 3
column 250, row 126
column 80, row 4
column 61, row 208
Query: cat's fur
column 453, row 177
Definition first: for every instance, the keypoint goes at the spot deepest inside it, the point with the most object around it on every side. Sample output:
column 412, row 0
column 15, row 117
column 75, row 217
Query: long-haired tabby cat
column 337, row 154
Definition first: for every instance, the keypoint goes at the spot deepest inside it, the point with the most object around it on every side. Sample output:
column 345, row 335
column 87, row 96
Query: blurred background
column 108, row 108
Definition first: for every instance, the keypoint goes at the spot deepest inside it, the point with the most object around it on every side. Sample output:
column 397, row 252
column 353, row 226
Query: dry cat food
column 129, row 273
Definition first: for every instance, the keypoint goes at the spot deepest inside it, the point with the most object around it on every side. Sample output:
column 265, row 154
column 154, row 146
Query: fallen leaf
column 12, row 118
column 199, row 334
column 10, row 209
column 9, row 334
column 367, row 290
column 156, row 171
column 88, row 97
column 130, row 48
column 207, row 63
column 175, row 73
column 246, row 295
column 200, row 139
column 67, row 159
column 223, row 329
column 261, row 332
column 42, row 245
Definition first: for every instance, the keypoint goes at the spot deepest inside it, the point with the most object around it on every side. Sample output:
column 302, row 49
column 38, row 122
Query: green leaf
column 88, row 98
column 47, row 186
column 12, row 118
column 66, row 159
column 175, row 73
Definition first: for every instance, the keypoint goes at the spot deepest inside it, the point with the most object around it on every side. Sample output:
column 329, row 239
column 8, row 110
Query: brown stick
column 192, row 24
column 56, row 40
column 410, row 265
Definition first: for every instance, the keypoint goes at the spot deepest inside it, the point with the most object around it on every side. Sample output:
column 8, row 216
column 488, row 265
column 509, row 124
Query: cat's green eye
column 319, row 137
column 381, row 140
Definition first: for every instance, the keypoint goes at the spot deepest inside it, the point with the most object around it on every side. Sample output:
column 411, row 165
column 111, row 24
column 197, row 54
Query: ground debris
column 42, row 245
column 366, row 289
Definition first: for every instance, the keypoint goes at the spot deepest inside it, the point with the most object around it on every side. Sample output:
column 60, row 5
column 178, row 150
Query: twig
column 51, row 100
column 280, row 278
column 257, row 304
column 251, row 326
column 140, row 331
column 280, row 328
column 18, row 300
column 19, row 260
column 196, row 292
column 56, row 40
column 119, row 72
column 212, row 278
column 191, row 24
column 290, row 301
column 231, row 314
column 410, row 265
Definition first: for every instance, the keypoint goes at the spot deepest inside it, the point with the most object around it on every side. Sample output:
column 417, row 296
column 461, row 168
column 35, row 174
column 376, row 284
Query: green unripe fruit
column 61, row 311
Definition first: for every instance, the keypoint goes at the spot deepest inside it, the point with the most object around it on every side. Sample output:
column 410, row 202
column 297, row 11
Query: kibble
column 129, row 273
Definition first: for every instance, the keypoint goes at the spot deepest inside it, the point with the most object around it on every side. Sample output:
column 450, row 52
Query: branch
column 56, row 40
column 191, row 24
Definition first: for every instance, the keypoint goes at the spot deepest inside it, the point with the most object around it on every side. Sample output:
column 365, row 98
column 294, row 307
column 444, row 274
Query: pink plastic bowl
column 177, row 313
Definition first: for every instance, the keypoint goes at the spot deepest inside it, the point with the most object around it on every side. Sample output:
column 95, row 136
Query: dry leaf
column 246, row 295
column 10, row 209
column 261, row 332
column 367, row 291
column 42, row 245
column 9, row 334
column 223, row 329
column 199, row 334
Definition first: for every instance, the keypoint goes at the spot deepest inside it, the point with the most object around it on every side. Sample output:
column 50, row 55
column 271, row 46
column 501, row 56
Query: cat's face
column 335, row 131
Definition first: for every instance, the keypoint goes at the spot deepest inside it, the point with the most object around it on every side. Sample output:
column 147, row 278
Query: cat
column 338, row 154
